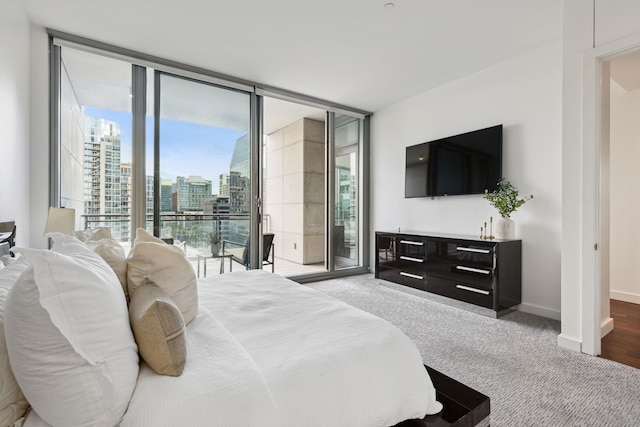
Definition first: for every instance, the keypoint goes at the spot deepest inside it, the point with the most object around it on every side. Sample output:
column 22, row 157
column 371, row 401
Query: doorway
column 312, row 185
column 620, row 204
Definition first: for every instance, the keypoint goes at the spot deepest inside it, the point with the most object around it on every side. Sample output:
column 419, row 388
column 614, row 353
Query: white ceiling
column 352, row 52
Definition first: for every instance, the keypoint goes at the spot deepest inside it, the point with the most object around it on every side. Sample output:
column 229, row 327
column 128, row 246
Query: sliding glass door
column 202, row 168
column 346, row 234
column 347, row 137
column 294, row 190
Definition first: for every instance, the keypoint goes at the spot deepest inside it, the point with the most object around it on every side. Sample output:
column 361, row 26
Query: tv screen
column 467, row 163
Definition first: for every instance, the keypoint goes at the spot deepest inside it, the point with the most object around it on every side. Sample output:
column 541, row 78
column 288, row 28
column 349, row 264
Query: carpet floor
column 515, row 360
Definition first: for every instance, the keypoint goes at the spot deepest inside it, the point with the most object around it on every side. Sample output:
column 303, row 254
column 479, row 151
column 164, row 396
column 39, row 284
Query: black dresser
column 487, row 273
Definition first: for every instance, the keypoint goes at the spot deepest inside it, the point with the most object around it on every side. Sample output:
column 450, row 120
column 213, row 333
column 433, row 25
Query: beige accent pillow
column 159, row 330
column 166, row 266
column 112, row 252
column 143, row 235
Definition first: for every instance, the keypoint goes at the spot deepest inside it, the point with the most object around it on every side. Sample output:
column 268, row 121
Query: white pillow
column 67, row 331
column 152, row 260
column 13, row 404
column 93, row 234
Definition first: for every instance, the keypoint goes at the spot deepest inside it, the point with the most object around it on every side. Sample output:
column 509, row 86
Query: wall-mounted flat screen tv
column 467, row 163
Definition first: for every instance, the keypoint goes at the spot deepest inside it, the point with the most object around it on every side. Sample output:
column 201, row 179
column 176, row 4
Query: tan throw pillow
column 168, row 268
column 159, row 330
column 113, row 253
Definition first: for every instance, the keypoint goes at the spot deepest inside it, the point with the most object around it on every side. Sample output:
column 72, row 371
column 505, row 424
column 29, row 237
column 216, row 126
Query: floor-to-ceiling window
column 203, row 164
column 176, row 150
column 95, row 140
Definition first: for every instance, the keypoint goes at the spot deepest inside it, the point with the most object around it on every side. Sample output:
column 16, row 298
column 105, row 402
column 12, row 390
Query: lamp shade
column 61, row 220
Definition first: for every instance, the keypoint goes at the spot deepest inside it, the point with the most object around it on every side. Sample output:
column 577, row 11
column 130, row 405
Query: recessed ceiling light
column 389, row 5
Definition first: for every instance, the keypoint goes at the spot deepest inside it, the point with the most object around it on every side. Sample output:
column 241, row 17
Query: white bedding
column 326, row 363
column 220, row 386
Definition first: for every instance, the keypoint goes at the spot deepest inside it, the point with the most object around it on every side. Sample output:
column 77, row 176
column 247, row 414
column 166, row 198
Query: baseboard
column 539, row 311
column 606, row 326
column 569, row 343
column 624, row 296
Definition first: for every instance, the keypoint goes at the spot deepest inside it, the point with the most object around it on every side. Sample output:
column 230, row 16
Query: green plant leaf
column 505, row 198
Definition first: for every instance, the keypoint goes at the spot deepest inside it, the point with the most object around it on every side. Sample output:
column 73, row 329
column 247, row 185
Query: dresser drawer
column 412, row 247
column 408, row 278
column 461, row 291
column 474, row 255
column 474, row 275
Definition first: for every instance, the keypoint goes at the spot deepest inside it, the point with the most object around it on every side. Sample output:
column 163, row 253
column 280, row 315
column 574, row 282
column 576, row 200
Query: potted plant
column 214, row 241
column 506, row 199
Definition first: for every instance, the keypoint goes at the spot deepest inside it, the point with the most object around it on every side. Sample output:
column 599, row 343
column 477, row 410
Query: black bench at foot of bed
column 462, row 405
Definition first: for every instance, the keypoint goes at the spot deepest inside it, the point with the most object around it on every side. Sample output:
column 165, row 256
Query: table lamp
column 61, row 220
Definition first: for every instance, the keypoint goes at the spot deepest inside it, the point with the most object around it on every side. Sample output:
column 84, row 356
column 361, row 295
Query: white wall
column 39, row 161
column 523, row 94
column 625, row 194
column 14, row 118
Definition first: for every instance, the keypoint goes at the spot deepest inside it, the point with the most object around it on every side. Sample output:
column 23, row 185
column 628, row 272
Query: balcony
column 191, row 232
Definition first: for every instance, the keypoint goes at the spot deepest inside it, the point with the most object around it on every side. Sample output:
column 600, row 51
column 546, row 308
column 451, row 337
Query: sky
column 185, row 148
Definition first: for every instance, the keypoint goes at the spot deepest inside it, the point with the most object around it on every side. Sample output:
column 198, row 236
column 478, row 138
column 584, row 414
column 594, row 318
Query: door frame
column 593, row 233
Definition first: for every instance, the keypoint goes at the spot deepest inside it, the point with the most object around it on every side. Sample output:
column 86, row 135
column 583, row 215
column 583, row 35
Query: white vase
column 504, row 228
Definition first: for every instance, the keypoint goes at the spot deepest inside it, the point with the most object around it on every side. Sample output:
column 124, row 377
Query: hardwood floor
column 623, row 343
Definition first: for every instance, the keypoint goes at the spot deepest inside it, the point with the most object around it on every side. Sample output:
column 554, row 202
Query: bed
column 259, row 350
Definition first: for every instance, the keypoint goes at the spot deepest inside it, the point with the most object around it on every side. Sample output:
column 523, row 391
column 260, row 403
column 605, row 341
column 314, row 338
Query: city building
column 166, row 189
column 224, row 185
column 102, row 172
column 192, row 192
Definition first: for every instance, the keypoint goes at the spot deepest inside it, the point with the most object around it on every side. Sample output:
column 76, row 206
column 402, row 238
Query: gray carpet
column 514, row 360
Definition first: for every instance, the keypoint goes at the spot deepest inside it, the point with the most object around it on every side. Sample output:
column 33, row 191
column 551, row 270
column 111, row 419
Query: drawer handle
column 413, row 276
column 408, row 258
column 479, row 251
column 410, row 242
column 467, row 288
column 472, row 270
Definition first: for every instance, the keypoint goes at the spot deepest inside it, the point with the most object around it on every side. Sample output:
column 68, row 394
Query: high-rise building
column 224, row 185
column 218, row 208
column 240, row 191
column 166, row 188
column 192, row 192
column 102, row 183
column 125, row 200
column 239, row 184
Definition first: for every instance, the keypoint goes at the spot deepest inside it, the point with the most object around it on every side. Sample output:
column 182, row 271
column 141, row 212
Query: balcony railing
column 191, row 229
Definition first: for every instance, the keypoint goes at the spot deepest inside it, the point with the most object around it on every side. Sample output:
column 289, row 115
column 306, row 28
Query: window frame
column 140, row 61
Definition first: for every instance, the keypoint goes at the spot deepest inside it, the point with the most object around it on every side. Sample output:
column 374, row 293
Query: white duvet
column 265, row 351
column 325, row 362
